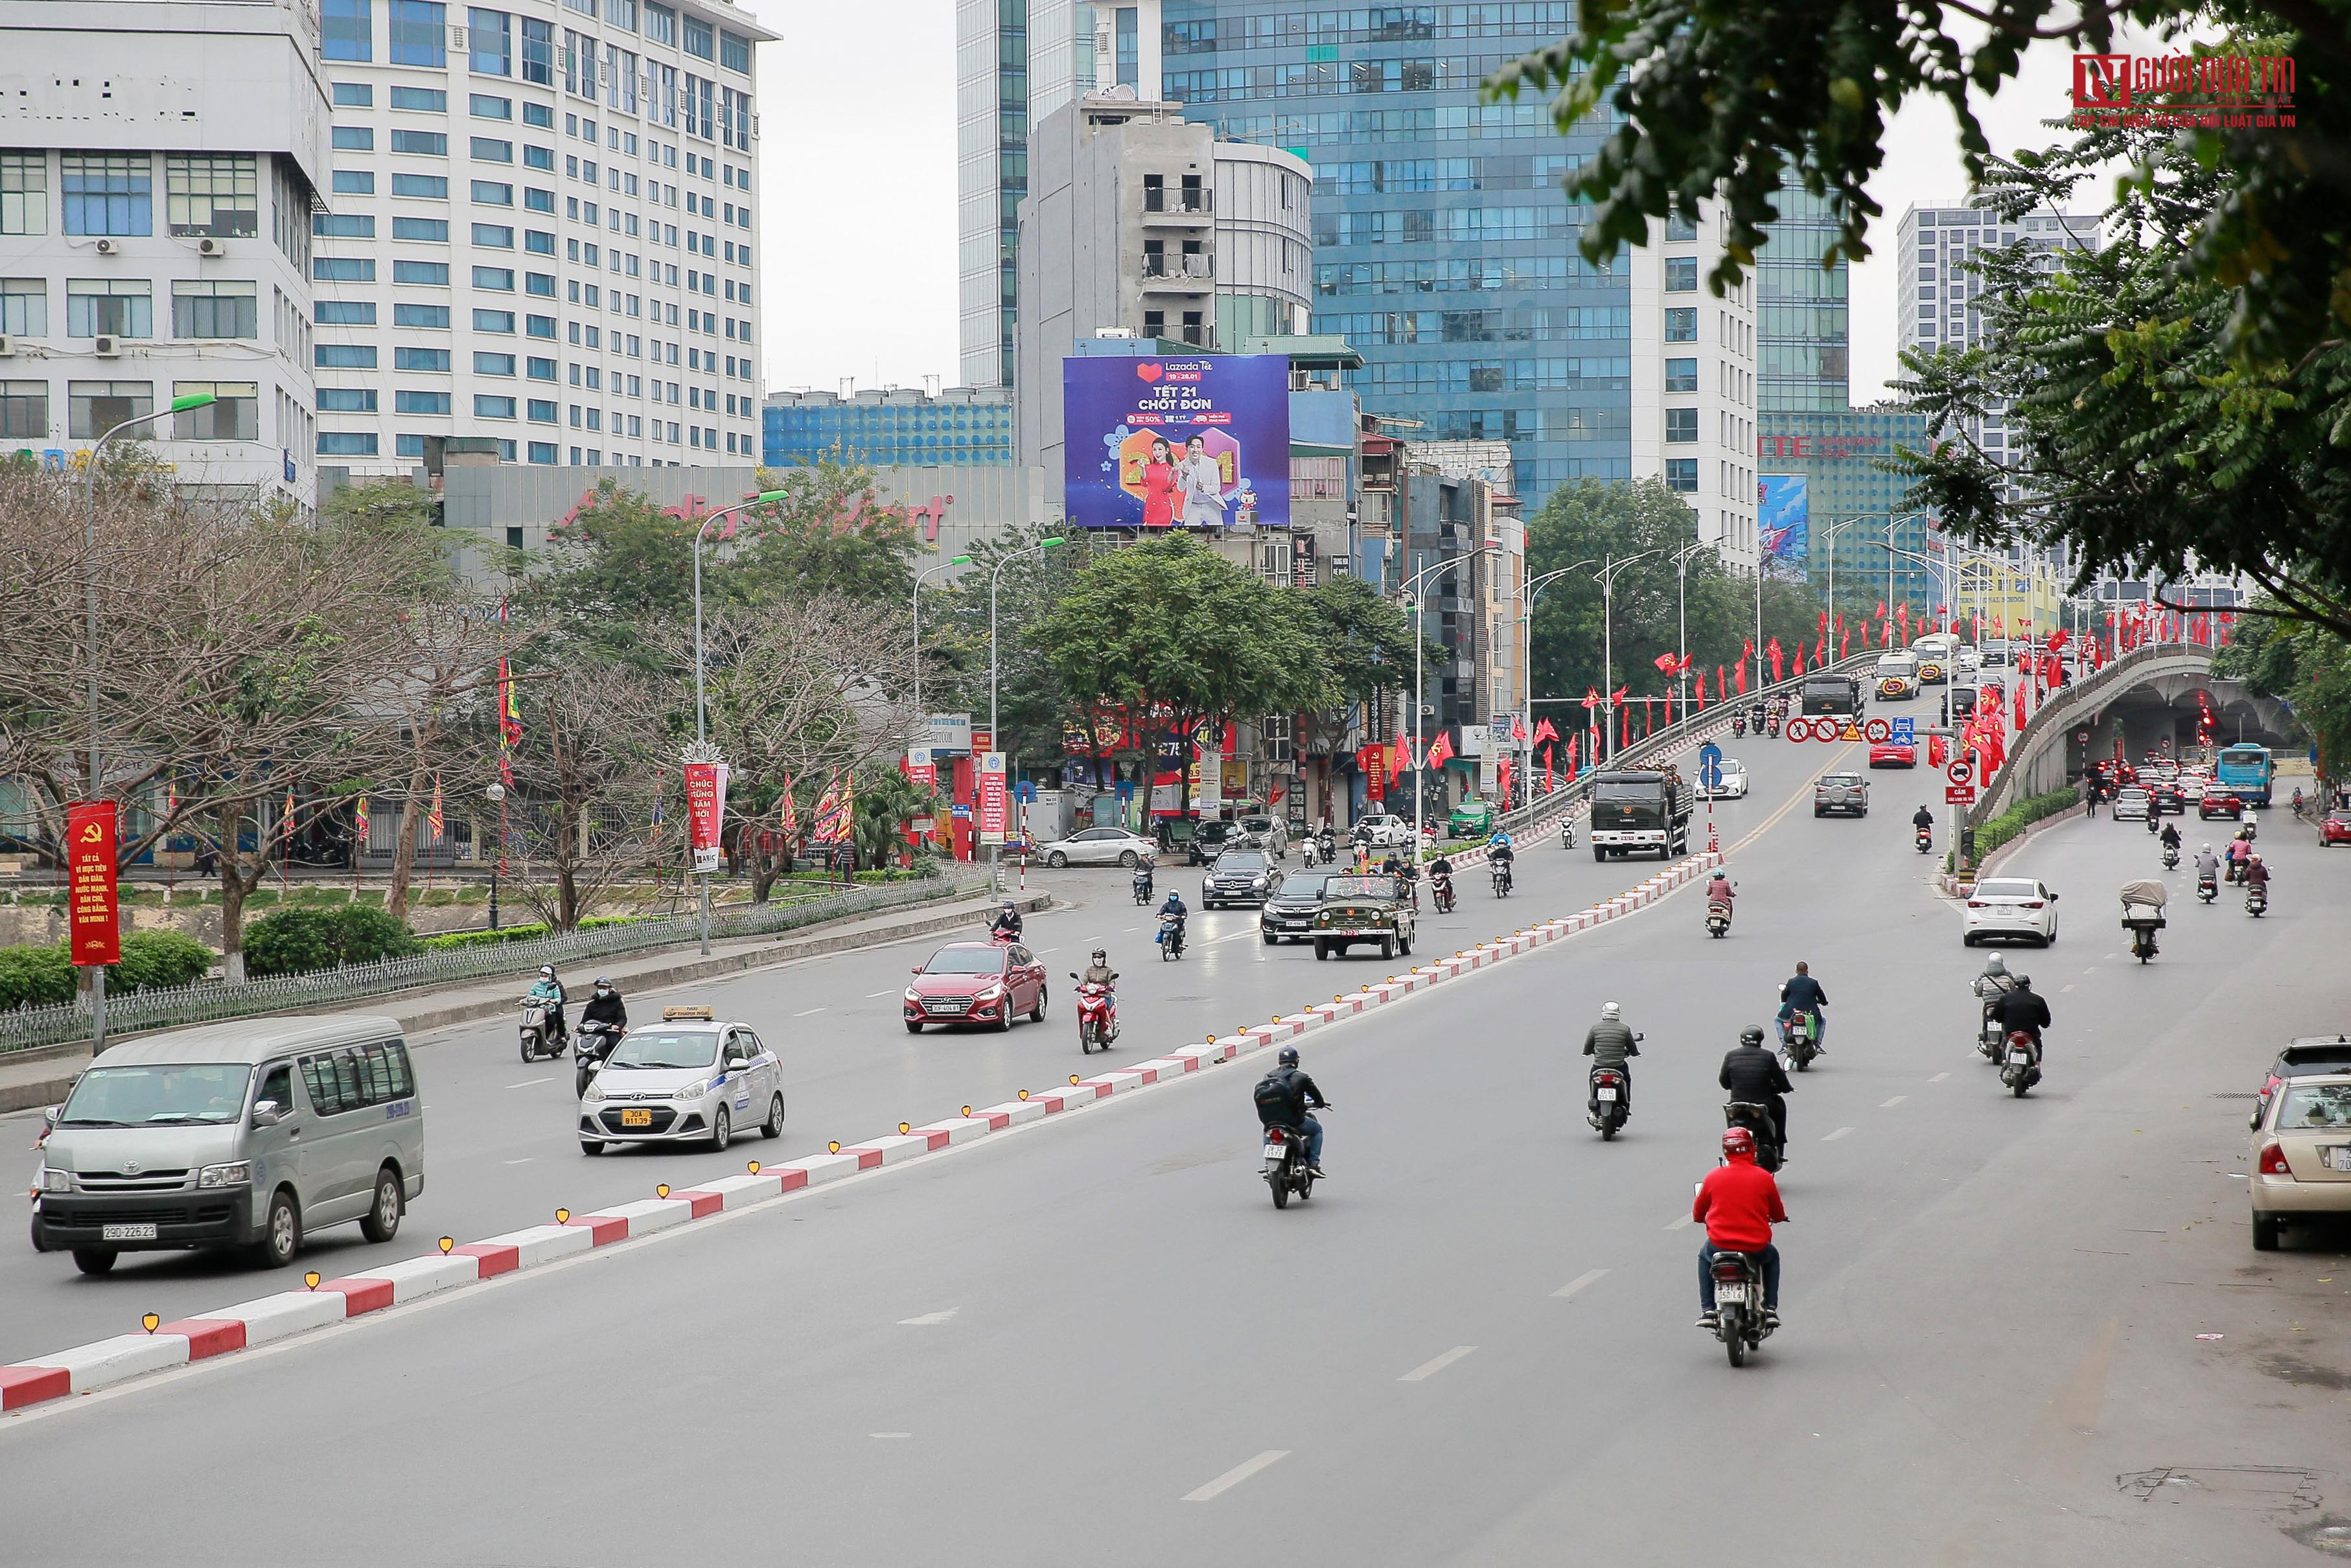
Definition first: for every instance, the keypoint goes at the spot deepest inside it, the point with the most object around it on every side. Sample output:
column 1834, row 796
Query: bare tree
column 589, row 773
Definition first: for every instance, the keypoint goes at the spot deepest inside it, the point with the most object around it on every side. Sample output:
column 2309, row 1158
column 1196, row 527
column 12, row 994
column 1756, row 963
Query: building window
column 122, row 307
column 537, row 201
column 541, row 158
column 500, row 278
column 432, row 317
column 214, row 193
column 1681, row 473
column 489, row 364
column 354, row 95
column 424, row 100
column 1681, row 275
column 435, row 360
column 661, row 23
column 1681, row 228
column 234, row 414
column 492, row 150
column 354, row 139
column 423, row 143
column 494, row 321
column 622, row 13
column 1681, row 424
column 489, row 39
column 540, row 326
column 494, row 236
column 491, row 193
column 539, row 369
column 426, row 274
column 347, row 31
column 541, row 451
column 735, row 53
column 346, row 443
column 539, row 242
column 420, row 402
column 488, row 407
column 25, row 306
column 23, row 194
column 537, row 53
column 356, row 182
column 228, row 309
column 93, row 408
column 346, row 399
column 342, row 225
column 346, row 312
column 109, row 193
column 542, row 411
column 420, row 32
column 541, row 284
column 1681, row 325
column 344, row 356
column 697, row 38
column 1681, row 375
column 23, row 410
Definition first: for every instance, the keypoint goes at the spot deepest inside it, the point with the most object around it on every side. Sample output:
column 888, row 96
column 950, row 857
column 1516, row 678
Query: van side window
column 277, row 1085
column 345, row 1065
column 403, row 1081
column 326, row 1089
column 374, row 1073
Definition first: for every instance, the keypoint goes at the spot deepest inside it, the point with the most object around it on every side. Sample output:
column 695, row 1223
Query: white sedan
column 2131, row 803
column 2011, row 906
column 1098, row 846
column 1732, row 786
column 1387, row 832
column 690, row 1078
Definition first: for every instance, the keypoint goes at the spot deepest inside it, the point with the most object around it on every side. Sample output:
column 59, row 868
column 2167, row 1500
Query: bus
column 2248, row 770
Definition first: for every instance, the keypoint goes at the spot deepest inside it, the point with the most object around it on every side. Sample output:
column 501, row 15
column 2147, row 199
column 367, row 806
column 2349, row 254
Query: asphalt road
column 1097, row 1341
column 502, row 1150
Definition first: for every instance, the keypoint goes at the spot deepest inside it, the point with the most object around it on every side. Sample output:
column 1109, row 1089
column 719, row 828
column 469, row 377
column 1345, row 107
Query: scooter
column 596, row 1044
column 1097, row 1015
column 1925, row 841
column 1142, row 885
column 1501, row 878
column 1608, row 1108
column 1756, row 1119
column 1771, row 727
column 1566, row 832
column 1991, row 1037
column 2257, row 899
column 1170, row 938
column 1738, row 724
column 1798, row 1041
column 2208, row 886
column 1307, row 851
column 2022, row 1069
column 1739, row 1304
column 1440, row 889
column 1285, row 1169
column 538, row 1037
column 1718, row 918
column 2171, row 858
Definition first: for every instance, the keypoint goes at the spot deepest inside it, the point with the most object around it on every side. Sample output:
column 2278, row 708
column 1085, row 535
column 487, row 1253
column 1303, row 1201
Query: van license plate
column 126, row 1233
column 636, row 1118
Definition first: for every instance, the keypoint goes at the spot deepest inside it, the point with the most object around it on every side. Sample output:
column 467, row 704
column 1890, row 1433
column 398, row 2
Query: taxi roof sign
column 693, row 1014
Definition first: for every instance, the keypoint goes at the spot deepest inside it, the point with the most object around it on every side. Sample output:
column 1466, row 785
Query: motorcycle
column 1771, row 727
column 2257, row 899
column 1739, row 1304
column 1757, row 1120
column 1307, row 849
column 2208, row 886
column 1566, row 833
column 1285, row 1169
column 1925, row 841
column 538, row 1037
column 1171, row 936
column 1606, row 1108
column 1097, row 1015
column 1799, row 1040
column 1440, row 888
column 1738, row 724
column 2171, row 858
column 1500, row 871
column 1991, row 1037
column 595, row 1046
column 2022, row 1068
column 1718, row 918
column 1143, row 886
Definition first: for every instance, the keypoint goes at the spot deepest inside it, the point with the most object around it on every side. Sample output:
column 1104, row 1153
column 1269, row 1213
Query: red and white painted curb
column 85, row 1369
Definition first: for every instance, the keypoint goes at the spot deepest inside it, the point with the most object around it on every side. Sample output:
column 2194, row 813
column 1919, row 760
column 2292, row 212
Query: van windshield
column 206, row 1093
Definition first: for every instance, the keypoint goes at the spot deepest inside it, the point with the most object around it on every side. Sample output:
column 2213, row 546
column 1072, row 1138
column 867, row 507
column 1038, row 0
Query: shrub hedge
column 294, row 940
column 2020, row 816
column 40, row 976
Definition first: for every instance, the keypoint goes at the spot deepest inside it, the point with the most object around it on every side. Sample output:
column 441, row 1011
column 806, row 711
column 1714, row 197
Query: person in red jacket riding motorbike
column 1738, row 1203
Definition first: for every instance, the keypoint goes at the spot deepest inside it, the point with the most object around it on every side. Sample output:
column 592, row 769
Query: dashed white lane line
column 521, row 1162
column 1428, row 1369
column 1889, row 1105
column 1588, row 1277
column 1047, row 952
column 1832, row 1137
column 929, row 1319
column 529, row 1082
column 2063, row 990
column 1234, row 936
column 889, row 1434
column 1238, row 1474
column 1938, row 1078
column 812, row 1012
column 871, row 995
column 1129, row 930
column 1679, row 1222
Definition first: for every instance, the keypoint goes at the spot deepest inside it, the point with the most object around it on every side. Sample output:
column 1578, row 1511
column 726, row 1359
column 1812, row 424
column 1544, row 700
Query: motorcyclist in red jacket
column 1738, row 1203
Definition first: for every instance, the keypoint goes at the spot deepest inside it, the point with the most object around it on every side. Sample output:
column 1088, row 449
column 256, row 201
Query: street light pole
column 1681, row 595
column 497, row 796
column 701, row 750
column 1607, row 577
column 919, row 577
column 1534, row 592
column 1419, row 650
column 89, row 592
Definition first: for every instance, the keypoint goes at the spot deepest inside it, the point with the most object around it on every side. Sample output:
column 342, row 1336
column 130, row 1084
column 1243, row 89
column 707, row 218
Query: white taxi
column 691, row 1079
column 2301, row 1154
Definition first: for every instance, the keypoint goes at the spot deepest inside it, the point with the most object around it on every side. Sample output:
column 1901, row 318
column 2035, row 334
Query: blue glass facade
column 1838, row 451
column 971, row 429
column 1444, row 247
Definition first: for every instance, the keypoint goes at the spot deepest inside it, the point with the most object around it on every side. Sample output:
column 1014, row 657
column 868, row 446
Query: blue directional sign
column 1709, row 765
column 1905, row 732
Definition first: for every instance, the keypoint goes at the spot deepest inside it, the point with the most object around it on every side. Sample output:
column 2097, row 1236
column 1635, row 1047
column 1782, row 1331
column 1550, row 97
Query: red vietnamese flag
column 1742, row 677
column 2019, row 706
column 1665, row 662
column 1543, row 731
column 1799, row 659
column 1934, row 751
column 1590, row 699
column 1440, row 750
column 1844, row 639
column 1698, row 691
column 1772, row 649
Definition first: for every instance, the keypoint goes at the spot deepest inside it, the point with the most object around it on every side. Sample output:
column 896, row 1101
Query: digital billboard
column 1177, row 444
column 1781, row 505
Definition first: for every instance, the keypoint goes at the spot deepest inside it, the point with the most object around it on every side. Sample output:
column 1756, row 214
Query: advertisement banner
column 1207, row 787
column 1164, row 444
column 950, row 734
column 920, row 769
column 1781, row 508
column 992, row 798
column 705, row 813
column 94, row 925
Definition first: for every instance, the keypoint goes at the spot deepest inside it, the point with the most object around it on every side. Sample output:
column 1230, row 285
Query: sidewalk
column 42, row 1077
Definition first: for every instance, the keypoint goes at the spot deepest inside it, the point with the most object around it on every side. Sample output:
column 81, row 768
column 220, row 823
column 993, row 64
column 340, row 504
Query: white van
column 237, row 1134
column 1898, row 676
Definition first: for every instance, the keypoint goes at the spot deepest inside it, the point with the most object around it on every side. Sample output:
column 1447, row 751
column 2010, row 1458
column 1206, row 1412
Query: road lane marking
column 1047, row 952
column 1938, row 1078
column 529, row 1082
column 1238, row 1474
column 810, row 1013
column 2063, row 990
column 1889, row 1105
column 1832, row 1137
column 1130, row 930
column 520, row 1162
column 1803, row 792
column 1428, row 1369
column 1588, row 1277
column 1678, row 1224
column 929, row 1319
column 871, row 995
column 889, row 1434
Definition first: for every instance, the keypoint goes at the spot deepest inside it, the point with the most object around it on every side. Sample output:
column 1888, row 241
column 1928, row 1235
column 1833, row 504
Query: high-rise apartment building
column 155, row 197
column 540, row 226
column 1691, row 393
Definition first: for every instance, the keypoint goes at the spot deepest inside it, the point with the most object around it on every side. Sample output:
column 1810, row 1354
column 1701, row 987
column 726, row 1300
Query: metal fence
column 207, row 1001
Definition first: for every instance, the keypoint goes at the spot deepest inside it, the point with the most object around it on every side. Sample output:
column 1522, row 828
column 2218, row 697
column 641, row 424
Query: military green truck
column 1640, row 810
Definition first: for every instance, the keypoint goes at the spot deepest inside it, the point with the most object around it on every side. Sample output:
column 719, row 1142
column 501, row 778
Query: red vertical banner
column 992, row 798
column 706, row 812
column 1375, row 759
column 93, row 920
column 921, row 771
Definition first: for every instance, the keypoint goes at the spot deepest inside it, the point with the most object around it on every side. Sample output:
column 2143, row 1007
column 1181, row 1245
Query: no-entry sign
column 1961, row 773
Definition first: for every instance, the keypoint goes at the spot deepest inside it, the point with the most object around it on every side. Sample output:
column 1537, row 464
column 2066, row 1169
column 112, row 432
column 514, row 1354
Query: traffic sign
column 1877, row 729
column 1799, row 729
column 1961, row 773
column 1959, row 794
column 1851, row 731
column 1905, row 730
column 1709, row 765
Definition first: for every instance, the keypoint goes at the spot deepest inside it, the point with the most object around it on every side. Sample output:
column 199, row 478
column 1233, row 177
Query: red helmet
column 1738, row 1141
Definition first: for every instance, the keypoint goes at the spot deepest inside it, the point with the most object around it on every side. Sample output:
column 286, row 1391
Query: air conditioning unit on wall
column 212, row 248
column 106, row 346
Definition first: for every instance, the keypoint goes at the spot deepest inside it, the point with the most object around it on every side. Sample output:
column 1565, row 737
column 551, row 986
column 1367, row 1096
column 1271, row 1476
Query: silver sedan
column 1098, row 846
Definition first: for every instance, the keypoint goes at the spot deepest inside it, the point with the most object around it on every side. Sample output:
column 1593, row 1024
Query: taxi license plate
column 2336, row 1157
column 636, row 1118
column 126, row 1232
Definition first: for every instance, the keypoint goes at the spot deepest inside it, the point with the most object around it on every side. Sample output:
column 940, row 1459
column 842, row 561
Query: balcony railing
column 1198, row 268
column 1159, row 199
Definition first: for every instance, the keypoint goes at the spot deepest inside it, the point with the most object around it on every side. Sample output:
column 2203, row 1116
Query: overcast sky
column 857, row 128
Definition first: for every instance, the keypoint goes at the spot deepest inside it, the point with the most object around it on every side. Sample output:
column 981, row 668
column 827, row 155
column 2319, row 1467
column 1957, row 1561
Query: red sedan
column 2337, row 827
column 1893, row 754
column 977, row 982
column 2220, row 803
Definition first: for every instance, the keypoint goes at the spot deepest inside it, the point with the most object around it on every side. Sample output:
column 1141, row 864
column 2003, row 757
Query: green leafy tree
column 829, row 536
column 2310, row 667
column 886, row 802
column 1035, row 709
column 1363, row 645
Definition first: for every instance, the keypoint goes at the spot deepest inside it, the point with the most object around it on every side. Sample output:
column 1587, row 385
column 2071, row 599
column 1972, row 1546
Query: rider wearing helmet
column 1500, row 854
column 1754, row 1074
column 2207, row 862
column 1098, row 972
column 1007, row 922
column 1739, row 1202
column 551, row 989
column 605, row 1006
column 1285, row 1096
column 1610, row 1044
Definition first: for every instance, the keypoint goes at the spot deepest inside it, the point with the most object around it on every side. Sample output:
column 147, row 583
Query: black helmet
column 1289, row 1057
column 1750, row 1035
column 1100, row 953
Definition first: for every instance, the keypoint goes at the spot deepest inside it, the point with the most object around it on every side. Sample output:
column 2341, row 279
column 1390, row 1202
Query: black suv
column 1209, row 841
column 1239, row 876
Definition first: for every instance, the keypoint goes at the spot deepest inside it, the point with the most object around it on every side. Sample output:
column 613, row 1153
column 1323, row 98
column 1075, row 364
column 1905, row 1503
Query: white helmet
column 1995, row 965
column 1611, row 1012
